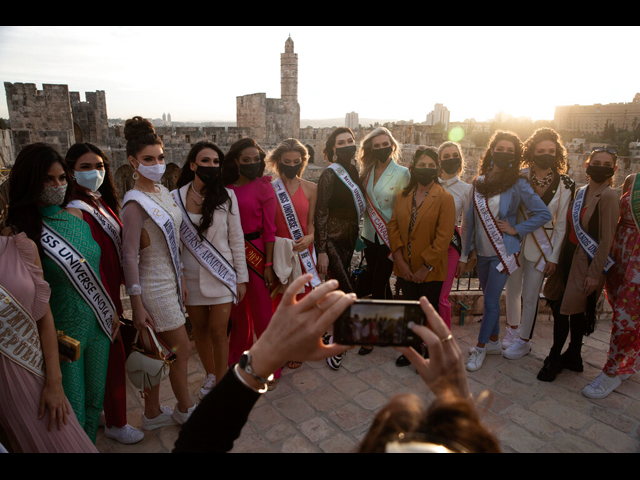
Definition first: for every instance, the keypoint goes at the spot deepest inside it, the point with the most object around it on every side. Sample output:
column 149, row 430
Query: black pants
column 379, row 268
column 431, row 290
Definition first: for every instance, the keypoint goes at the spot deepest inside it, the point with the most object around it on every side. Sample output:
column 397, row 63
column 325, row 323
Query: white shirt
column 461, row 193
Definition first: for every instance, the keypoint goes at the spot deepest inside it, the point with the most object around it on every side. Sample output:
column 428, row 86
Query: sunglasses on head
column 610, row 150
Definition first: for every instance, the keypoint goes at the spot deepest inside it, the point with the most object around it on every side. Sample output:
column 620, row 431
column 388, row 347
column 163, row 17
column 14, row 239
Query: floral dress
column 623, row 289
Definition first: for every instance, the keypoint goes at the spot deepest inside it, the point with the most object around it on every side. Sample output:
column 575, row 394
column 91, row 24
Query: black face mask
column 425, row 176
column 290, row 171
column 451, row 165
column 345, row 154
column 503, row 160
column 250, row 170
column 382, row 154
column 600, row 174
column 207, row 174
column 544, row 161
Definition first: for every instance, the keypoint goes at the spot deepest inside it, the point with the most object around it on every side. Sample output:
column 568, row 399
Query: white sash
column 166, row 225
column 586, row 241
column 376, row 220
column 105, row 220
column 206, row 254
column 19, row 337
column 355, row 190
column 543, row 241
column 295, row 229
column 508, row 262
column 81, row 275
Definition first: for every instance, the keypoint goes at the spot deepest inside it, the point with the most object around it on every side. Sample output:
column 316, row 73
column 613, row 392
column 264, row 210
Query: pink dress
column 257, row 206
column 21, row 390
column 622, row 287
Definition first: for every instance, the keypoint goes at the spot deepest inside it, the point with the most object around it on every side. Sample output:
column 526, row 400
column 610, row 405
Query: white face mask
column 91, row 179
column 153, row 173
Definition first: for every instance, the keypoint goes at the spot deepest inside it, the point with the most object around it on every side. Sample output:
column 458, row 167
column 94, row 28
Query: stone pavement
column 316, row 409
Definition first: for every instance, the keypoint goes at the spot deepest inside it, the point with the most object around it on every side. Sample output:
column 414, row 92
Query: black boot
column 402, row 361
column 551, row 368
column 572, row 359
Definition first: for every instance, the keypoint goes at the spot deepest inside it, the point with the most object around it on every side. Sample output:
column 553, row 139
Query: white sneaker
column 493, row 348
column 207, row 386
column 512, row 335
column 476, row 359
column 517, row 350
column 126, row 435
column 601, row 386
column 180, row 417
column 164, row 419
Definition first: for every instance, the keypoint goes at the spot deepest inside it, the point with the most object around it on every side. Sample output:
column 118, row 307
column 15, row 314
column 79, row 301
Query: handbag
column 149, row 361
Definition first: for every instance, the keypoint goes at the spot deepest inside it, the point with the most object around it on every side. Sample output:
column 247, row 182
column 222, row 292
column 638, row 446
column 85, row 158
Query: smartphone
column 379, row 322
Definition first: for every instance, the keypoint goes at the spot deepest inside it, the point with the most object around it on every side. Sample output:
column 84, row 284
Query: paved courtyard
column 316, row 409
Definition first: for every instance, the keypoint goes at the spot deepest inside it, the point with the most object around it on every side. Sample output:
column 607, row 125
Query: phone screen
column 379, row 322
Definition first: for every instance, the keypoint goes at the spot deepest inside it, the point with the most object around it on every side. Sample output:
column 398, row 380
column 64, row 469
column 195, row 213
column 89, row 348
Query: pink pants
column 249, row 317
column 444, row 306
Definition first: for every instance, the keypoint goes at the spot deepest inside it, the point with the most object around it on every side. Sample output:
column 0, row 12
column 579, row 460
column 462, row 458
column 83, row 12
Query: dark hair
column 140, row 133
column 331, row 141
column 431, row 152
column 230, row 171
column 26, row 181
column 505, row 180
column 540, row 135
column 108, row 188
column 216, row 196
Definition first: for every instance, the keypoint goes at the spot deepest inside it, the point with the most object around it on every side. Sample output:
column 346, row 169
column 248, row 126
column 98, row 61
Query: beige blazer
column 226, row 235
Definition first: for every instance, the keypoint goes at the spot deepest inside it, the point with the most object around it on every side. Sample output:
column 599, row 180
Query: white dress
column 154, row 274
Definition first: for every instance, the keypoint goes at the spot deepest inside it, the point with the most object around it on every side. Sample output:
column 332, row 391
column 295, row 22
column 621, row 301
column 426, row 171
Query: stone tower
column 289, row 73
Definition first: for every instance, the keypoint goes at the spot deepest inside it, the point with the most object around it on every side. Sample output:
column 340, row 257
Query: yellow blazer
column 432, row 232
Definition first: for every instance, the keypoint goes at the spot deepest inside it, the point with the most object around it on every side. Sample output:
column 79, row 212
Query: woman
column 622, row 285
column 340, row 207
column 242, row 172
column 96, row 197
column 215, row 234
column 576, row 284
column 34, row 410
column 151, row 225
column 545, row 159
column 37, row 193
column 382, row 179
column 451, row 167
column 420, row 232
column 490, row 228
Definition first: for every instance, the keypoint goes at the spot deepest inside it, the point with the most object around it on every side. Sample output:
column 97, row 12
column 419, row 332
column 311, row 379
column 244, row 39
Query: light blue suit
column 383, row 196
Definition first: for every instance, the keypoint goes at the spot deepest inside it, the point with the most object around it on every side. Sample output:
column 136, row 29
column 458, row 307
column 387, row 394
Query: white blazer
column 226, row 235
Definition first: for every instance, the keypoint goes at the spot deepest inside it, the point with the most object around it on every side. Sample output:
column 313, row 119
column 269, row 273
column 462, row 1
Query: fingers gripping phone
column 380, row 323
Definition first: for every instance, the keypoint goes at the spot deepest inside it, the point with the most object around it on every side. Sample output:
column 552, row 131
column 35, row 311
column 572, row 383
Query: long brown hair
column 540, row 135
column 503, row 181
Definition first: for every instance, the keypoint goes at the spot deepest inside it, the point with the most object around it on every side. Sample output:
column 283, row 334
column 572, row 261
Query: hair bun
column 138, row 126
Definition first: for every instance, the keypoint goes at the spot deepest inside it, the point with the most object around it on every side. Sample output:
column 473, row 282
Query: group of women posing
column 225, row 245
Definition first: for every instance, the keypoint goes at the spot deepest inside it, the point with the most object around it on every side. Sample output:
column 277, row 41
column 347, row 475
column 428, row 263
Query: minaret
column 289, row 73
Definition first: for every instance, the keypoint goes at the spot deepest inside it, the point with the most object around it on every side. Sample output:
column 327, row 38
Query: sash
column 634, row 201
column 295, row 230
column 206, row 254
column 105, row 220
column 19, row 337
column 81, row 275
column 166, row 225
column 543, row 241
column 376, row 220
column 255, row 258
column 586, row 241
column 351, row 185
column 508, row 262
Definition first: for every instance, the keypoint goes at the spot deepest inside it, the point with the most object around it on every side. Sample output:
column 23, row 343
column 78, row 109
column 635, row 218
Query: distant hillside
column 339, row 122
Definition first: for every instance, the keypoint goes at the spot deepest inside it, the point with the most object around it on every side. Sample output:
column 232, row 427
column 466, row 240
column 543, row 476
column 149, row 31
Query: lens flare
column 456, row 134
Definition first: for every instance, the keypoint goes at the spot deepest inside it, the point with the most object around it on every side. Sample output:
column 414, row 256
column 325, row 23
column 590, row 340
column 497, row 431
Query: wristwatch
column 245, row 364
column 429, row 267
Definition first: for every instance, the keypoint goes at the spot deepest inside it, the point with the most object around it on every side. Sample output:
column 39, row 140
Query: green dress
column 83, row 380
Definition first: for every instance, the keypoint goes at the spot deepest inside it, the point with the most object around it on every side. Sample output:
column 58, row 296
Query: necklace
column 545, row 182
column 201, row 197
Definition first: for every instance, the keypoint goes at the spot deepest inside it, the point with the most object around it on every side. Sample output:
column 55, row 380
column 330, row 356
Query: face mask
column 503, row 160
column 207, row 174
column 382, row 154
column 425, row 176
column 290, row 171
column 345, row 154
column 53, row 195
column 451, row 165
column 600, row 174
column 153, row 173
column 91, row 179
column 544, row 161
column 250, row 170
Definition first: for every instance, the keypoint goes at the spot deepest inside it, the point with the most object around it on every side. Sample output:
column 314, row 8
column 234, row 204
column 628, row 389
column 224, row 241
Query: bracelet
column 270, row 264
column 243, row 381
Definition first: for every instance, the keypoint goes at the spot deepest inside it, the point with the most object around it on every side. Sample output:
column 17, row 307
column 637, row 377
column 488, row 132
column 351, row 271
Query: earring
column 135, row 175
column 335, row 157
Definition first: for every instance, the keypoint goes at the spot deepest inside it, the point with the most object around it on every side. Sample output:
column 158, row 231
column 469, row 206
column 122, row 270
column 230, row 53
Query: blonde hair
column 450, row 144
column 366, row 158
column 288, row 145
